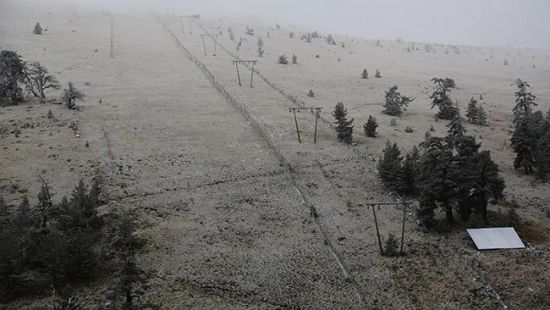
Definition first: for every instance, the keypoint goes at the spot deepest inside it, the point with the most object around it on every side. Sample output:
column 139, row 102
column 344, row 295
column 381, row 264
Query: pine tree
column 37, row 29
column 294, row 60
column 389, row 167
column 441, row 99
column 365, row 74
column 283, row 60
column 377, row 74
column 524, row 100
column 438, row 185
column 370, row 127
column 344, row 128
column 542, row 154
column 395, row 103
column 11, row 74
column 310, row 93
column 70, row 95
column 260, row 47
column 481, row 116
column 456, row 130
column 525, row 137
column 410, row 171
column 472, row 112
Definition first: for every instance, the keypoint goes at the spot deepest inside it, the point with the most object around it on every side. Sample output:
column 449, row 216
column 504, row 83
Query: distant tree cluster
column 531, row 135
column 448, row 173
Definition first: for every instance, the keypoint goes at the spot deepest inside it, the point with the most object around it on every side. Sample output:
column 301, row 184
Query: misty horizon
column 487, row 23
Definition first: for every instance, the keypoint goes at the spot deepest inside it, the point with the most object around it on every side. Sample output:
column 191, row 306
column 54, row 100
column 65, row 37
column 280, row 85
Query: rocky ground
column 232, row 210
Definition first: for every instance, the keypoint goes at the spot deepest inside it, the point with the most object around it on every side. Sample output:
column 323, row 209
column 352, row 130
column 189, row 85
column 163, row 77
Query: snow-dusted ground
column 225, row 222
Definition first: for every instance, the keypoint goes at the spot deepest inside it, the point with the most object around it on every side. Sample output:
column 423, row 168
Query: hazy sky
column 475, row 22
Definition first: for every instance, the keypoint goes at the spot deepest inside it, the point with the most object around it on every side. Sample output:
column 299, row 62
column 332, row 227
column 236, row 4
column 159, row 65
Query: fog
column 521, row 23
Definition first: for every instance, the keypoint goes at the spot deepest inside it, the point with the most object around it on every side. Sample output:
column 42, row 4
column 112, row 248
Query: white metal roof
column 496, row 238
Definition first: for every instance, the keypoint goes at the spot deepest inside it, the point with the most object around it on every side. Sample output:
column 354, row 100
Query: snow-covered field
column 233, row 211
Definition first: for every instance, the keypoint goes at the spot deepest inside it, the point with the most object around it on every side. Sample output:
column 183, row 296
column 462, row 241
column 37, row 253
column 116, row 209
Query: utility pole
column 405, row 204
column 214, row 37
column 190, row 22
column 315, row 111
column 253, row 62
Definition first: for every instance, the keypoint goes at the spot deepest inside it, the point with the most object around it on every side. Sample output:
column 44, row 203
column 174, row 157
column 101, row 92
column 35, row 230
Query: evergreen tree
column 71, row 94
column 525, row 137
column 377, row 74
column 11, row 74
column 370, row 127
column 410, row 171
column 389, row 167
column 542, row 155
column 344, row 128
column 437, row 179
column 441, row 99
column 524, row 100
column 129, row 276
column 294, row 60
column 475, row 113
column 456, row 130
column 365, row 74
column 310, row 93
column 283, row 60
column 37, row 29
column 395, row 103
column 260, row 47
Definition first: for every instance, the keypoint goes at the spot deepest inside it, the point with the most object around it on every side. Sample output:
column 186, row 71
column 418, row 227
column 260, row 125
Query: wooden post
column 252, row 76
column 377, row 231
column 215, row 44
column 238, row 75
column 316, row 118
column 403, row 227
column 182, row 29
column 190, row 24
column 203, row 44
column 297, row 130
